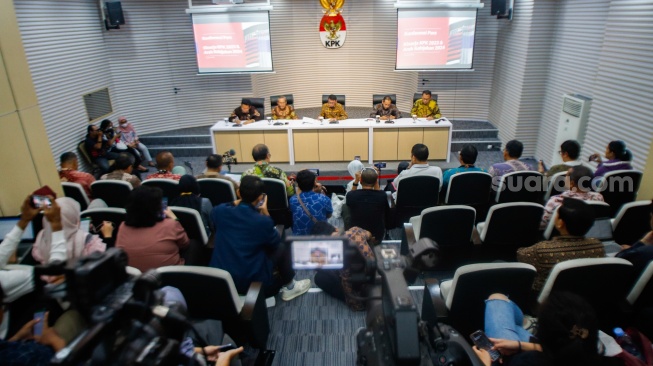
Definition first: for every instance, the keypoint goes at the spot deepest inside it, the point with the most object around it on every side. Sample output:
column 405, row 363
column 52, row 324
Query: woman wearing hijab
column 354, row 168
column 78, row 242
column 189, row 196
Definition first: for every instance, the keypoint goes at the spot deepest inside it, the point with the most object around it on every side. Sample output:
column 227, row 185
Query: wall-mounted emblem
column 333, row 30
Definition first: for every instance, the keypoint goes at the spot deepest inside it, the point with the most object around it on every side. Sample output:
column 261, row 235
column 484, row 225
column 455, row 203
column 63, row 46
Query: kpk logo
column 333, row 30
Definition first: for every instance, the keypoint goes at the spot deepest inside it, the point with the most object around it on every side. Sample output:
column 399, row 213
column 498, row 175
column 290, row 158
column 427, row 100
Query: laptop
column 7, row 223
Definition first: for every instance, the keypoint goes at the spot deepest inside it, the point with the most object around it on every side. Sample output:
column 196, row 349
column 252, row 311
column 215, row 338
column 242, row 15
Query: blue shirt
column 449, row 173
column 317, row 204
column 242, row 238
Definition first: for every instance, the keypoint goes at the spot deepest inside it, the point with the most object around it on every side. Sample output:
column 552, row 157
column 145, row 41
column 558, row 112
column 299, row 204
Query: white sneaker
column 300, row 288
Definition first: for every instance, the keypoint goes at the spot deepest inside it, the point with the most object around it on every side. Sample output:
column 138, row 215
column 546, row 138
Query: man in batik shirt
column 283, row 110
column 263, row 169
column 332, row 110
column 386, row 110
column 246, row 113
column 426, row 107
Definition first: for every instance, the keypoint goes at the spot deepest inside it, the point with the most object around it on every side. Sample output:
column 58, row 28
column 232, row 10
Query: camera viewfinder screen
column 312, row 254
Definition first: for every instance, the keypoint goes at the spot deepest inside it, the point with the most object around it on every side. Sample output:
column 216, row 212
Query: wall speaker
column 114, row 13
column 499, row 7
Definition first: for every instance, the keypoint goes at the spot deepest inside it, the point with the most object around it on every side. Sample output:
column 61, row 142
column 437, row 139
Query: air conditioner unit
column 573, row 122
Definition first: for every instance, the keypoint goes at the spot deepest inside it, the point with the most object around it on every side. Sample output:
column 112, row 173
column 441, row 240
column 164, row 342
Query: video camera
column 228, row 158
column 127, row 322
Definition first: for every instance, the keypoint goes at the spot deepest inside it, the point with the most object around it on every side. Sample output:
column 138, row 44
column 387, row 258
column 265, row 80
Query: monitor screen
column 8, row 223
column 321, row 253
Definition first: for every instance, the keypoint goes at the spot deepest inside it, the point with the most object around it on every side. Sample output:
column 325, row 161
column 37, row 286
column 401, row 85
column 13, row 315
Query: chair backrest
column 417, row 96
column 641, row 294
column 602, row 228
column 340, row 98
column 512, row 224
column 114, row 192
column 550, row 229
column 474, row 283
column 259, row 104
column 378, row 98
column 556, row 185
column 170, row 187
column 276, row 192
column 275, row 98
column 619, row 187
column 469, row 188
column 414, row 194
column 448, row 225
column 81, row 148
column 521, row 186
column 217, row 190
column 632, row 222
column 191, row 220
column 76, row 192
column 113, row 214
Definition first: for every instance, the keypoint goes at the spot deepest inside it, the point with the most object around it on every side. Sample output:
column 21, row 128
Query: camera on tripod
column 228, row 158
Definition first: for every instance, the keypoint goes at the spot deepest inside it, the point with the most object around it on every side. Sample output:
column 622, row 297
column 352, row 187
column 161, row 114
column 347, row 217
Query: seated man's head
column 419, row 154
column 282, row 102
column 214, row 163
column 93, row 131
column 106, row 125
column 579, row 178
column 261, row 152
column 306, row 180
column 574, row 217
column 68, row 160
column 251, row 189
column 124, row 162
column 569, row 150
column 244, row 105
column 332, row 100
column 513, row 150
column 165, row 161
column 402, row 166
column 369, row 177
column 426, row 96
column 387, row 102
column 468, row 155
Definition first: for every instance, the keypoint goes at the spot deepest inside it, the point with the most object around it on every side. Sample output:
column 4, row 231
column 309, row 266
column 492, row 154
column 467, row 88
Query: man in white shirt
column 419, row 165
column 17, row 282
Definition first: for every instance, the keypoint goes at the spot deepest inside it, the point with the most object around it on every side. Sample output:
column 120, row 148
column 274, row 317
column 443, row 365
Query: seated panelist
column 332, row 110
column 245, row 114
column 426, row 107
column 283, row 110
column 386, row 110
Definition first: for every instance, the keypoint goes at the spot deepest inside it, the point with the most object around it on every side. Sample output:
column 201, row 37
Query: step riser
column 184, row 151
column 480, row 146
column 462, row 135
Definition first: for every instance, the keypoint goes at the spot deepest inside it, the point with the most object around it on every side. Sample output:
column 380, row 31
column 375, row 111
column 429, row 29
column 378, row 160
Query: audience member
column 337, row 283
column 69, row 172
column 165, row 163
column 283, row 110
column 511, row 154
column 79, row 243
column 332, row 110
column 467, row 158
column 368, row 207
column 578, row 181
column 117, row 145
column 389, row 186
column 386, row 110
column 98, row 148
column 214, row 169
column 308, row 206
column 263, row 169
column 130, row 138
column 618, row 155
column 569, row 153
column 189, row 196
column 151, row 237
column 245, row 114
column 640, row 253
column 419, row 165
column 122, row 170
column 567, row 333
column 249, row 247
column 355, row 168
column 573, row 221
column 426, row 107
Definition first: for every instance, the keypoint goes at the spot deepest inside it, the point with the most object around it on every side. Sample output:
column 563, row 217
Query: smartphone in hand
column 260, row 203
column 226, row 347
column 38, row 327
column 483, row 342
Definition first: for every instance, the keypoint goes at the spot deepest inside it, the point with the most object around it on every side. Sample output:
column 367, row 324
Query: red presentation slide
column 422, row 42
column 220, row 45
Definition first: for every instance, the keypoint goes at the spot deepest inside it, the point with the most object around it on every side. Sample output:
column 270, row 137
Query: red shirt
column 75, row 176
column 153, row 247
column 166, row 175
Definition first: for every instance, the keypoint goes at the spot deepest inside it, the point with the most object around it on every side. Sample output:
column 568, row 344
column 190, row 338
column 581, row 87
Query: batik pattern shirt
column 555, row 201
column 426, row 110
column 337, row 112
column 162, row 174
column 75, row 176
column 286, row 113
column 380, row 111
column 265, row 170
column 124, row 176
column 360, row 238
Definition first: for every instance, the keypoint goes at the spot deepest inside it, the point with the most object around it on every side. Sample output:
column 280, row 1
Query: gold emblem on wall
column 333, row 30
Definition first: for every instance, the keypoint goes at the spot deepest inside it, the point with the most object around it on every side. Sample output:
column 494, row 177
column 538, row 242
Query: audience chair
column 278, row 201
column 415, row 194
column 509, row 226
column 76, row 192
column 632, row 222
column 339, row 97
column 640, row 299
column 619, row 187
column 603, row 282
column 530, row 184
column 210, row 293
column 197, row 254
column 378, row 98
column 170, row 187
column 289, row 98
column 469, row 188
column 461, row 302
column 95, row 169
column 418, row 96
column 259, row 104
column 113, row 214
column 449, row 226
column 601, row 230
column 555, row 186
column 217, row 190
column 115, row 193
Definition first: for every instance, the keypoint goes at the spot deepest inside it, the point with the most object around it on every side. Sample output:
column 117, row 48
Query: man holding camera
column 99, row 149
